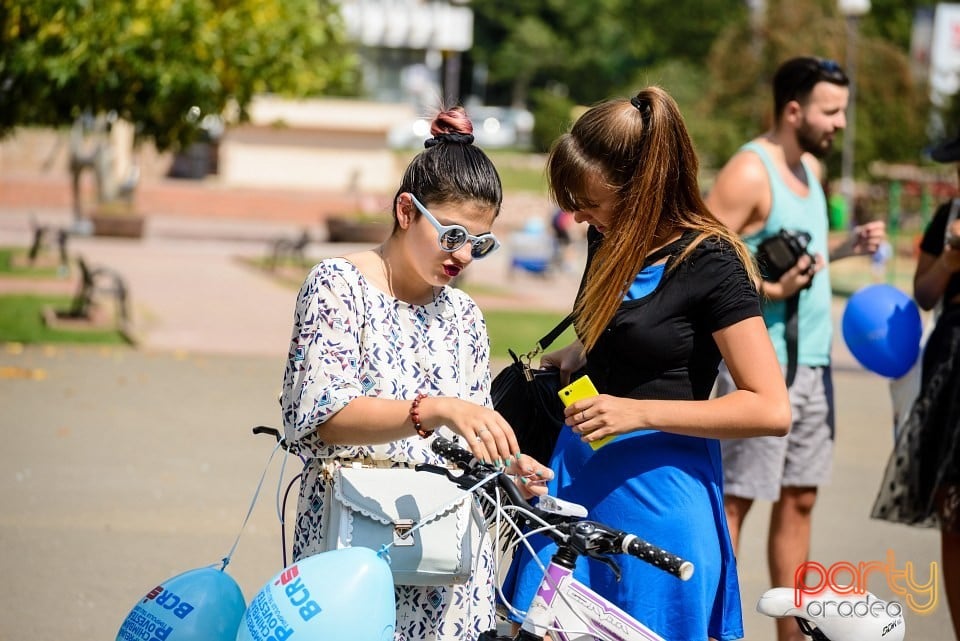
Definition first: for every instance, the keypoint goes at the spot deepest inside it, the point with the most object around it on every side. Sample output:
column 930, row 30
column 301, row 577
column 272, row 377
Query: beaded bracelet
column 415, row 416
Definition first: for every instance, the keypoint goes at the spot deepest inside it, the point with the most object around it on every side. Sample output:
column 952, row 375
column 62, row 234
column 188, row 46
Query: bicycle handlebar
column 586, row 537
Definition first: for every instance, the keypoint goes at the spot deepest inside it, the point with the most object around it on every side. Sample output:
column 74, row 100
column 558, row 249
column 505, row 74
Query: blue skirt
column 668, row 490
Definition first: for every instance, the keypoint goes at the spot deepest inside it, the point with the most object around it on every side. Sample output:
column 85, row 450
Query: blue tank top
column 798, row 213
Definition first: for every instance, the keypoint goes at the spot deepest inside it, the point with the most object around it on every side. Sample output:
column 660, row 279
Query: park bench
column 41, row 236
column 289, row 249
column 97, row 282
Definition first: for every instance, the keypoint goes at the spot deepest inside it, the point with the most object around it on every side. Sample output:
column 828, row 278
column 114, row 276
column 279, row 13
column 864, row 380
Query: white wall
column 328, row 144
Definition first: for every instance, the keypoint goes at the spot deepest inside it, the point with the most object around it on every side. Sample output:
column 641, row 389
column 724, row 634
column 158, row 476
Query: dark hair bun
column 460, row 139
column 452, row 121
column 451, row 126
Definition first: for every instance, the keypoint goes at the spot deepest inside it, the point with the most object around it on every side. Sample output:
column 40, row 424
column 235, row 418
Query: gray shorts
column 757, row 467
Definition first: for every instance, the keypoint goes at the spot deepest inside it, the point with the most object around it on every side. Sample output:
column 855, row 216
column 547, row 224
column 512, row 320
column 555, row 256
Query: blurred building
column 410, row 54
column 410, row 49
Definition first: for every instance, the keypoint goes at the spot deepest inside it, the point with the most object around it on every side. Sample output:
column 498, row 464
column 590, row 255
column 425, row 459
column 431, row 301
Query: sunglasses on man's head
column 819, row 70
column 453, row 237
column 829, row 66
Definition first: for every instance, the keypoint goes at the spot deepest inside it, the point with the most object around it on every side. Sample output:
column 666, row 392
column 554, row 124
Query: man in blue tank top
column 774, row 183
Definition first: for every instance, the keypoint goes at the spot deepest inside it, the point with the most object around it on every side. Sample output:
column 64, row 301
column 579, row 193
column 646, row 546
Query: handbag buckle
column 529, row 356
column 401, row 533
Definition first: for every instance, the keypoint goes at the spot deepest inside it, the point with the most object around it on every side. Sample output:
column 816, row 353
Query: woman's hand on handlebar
column 530, row 475
column 490, row 437
column 568, row 360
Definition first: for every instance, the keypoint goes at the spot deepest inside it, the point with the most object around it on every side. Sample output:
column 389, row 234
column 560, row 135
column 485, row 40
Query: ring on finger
column 478, row 438
column 583, row 416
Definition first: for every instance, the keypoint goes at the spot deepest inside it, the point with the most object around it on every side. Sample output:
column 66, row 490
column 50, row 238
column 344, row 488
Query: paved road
column 123, row 467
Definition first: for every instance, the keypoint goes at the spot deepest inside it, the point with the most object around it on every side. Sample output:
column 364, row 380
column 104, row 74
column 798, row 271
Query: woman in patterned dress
column 384, row 351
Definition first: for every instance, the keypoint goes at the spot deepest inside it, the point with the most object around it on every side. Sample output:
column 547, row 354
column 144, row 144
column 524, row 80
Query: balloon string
column 253, row 501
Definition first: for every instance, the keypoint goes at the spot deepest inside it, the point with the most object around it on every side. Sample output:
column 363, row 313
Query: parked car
column 493, row 128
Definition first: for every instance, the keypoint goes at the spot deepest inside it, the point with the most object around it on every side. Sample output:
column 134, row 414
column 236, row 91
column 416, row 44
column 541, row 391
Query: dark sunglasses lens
column 483, row 246
column 453, row 239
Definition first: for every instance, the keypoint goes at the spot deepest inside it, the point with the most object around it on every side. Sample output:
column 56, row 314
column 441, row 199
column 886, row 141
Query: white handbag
column 375, row 507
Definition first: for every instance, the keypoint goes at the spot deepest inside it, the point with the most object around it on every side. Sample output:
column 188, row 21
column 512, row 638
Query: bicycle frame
column 570, row 611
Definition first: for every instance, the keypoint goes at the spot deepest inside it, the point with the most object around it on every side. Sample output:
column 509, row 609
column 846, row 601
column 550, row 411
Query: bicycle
column 570, row 610
column 563, row 606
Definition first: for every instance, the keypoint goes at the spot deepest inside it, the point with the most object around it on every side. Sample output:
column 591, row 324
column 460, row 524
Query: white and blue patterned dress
column 351, row 339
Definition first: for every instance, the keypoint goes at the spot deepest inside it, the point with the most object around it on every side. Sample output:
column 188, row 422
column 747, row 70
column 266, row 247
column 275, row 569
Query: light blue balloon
column 342, row 595
column 882, row 328
column 204, row 604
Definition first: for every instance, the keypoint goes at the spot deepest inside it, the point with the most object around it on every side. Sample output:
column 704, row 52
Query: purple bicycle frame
column 570, row 611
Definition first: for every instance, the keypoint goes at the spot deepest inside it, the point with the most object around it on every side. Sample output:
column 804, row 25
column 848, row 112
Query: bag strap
column 791, row 332
column 554, row 333
column 524, row 360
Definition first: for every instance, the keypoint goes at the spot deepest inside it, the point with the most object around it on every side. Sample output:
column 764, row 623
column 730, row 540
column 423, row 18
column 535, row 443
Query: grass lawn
column 21, row 321
column 11, row 259
column 520, row 171
column 520, row 330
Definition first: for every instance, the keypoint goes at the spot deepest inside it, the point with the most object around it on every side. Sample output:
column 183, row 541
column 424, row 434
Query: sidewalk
column 190, row 290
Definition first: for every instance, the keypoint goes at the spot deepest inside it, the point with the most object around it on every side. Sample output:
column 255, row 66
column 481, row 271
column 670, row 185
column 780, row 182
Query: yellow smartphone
column 582, row 388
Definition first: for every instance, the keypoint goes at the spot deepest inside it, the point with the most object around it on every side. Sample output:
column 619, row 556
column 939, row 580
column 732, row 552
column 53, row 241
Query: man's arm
column 863, row 239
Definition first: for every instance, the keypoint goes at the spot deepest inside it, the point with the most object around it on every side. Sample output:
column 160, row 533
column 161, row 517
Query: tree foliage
column 558, row 53
column 891, row 106
column 154, row 61
column 584, row 49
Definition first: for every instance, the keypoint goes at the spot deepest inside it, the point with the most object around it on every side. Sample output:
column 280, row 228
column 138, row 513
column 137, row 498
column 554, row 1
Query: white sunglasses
column 453, row 237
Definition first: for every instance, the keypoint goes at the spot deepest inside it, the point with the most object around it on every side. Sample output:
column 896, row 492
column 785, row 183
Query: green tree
column 892, row 20
column 590, row 48
column 153, row 62
column 557, row 53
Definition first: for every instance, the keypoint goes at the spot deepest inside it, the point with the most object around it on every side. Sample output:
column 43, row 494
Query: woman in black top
column 921, row 485
column 668, row 291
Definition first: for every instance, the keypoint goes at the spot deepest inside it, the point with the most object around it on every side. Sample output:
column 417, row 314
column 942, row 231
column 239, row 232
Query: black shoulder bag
column 527, row 398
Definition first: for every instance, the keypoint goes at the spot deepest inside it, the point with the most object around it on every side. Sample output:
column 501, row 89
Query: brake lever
column 589, row 537
column 434, row 469
column 465, row 481
column 606, row 560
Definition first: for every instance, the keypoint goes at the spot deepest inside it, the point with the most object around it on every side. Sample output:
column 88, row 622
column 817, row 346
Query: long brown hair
column 639, row 148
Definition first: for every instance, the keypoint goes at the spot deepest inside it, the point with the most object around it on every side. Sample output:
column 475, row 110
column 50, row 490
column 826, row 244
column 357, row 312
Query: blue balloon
column 882, row 329
column 341, row 595
column 204, row 604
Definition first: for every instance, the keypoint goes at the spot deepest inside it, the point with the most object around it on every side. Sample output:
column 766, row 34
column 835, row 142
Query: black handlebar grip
column 451, row 452
column 264, row 429
column 654, row 555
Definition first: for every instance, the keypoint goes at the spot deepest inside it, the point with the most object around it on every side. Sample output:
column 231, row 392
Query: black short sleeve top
column 661, row 346
column 932, row 244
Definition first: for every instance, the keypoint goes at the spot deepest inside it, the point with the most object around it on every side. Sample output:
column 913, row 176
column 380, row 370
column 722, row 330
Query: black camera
column 779, row 253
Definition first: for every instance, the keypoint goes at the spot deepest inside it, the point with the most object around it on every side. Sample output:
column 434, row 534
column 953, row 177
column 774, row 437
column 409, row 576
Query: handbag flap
column 391, row 494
